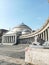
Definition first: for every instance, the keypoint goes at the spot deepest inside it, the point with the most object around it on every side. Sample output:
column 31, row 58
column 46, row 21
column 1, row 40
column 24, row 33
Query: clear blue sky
column 33, row 13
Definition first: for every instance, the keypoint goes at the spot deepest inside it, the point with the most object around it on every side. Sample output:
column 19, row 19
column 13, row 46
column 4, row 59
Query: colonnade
column 9, row 39
column 45, row 35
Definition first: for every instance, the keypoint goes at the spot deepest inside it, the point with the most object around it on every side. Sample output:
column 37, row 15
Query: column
column 40, row 35
column 6, row 39
column 43, row 35
column 9, row 39
column 48, row 34
column 15, row 38
column 12, row 39
column 2, row 39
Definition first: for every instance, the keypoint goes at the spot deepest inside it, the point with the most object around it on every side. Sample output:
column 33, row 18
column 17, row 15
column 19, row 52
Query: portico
column 9, row 39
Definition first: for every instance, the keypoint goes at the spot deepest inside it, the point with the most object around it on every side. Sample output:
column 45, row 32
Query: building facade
column 24, row 34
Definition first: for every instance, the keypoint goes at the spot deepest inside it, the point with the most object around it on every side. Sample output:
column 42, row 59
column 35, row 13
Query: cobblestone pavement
column 12, row 55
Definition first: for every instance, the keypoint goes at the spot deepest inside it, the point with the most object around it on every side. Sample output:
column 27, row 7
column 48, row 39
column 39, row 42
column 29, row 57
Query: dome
column 22, row 28
column 26, row 31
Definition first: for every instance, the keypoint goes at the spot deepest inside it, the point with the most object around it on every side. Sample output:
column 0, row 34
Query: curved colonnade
column 42, row 33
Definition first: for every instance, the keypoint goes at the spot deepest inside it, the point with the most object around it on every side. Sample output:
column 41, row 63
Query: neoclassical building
column 24, row 34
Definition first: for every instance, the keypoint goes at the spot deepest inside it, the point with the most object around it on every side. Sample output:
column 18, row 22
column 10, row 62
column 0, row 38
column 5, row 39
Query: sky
column 33, row 13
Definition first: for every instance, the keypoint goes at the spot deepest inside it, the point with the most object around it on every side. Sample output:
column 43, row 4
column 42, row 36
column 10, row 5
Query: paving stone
column 13, row 64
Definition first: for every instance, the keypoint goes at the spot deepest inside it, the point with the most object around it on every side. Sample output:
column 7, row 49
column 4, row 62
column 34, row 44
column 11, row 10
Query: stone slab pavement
column 12, row 55
column 11, row 60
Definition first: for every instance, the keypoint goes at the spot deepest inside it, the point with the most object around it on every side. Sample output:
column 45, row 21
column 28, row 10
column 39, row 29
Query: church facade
column 24, row 34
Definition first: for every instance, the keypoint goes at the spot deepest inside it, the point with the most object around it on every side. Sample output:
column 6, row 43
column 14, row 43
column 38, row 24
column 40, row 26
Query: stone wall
column 37, row 56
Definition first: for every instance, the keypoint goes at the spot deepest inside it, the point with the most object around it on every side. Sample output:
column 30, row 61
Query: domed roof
column 20, row 28
column 22, row 25
column 26, row 31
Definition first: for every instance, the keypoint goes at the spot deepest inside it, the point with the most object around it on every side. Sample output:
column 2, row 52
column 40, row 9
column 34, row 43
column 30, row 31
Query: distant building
column 2, row 31
column 12, row 36
column 24, row 34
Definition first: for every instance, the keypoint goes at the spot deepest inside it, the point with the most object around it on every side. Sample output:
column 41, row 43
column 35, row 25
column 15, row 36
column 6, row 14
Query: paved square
column 12, row 55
